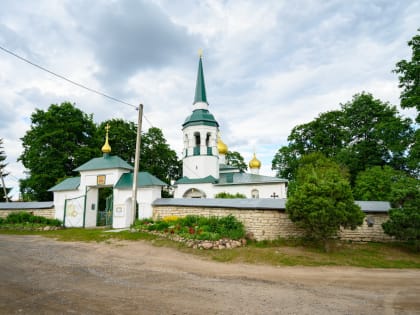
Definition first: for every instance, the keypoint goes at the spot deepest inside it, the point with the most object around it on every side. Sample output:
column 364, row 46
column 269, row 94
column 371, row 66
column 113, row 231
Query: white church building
column 204, row 168
column 77, row 199
column 102, row 194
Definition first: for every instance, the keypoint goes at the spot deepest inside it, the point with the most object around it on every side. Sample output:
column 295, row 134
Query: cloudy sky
column 268, row 65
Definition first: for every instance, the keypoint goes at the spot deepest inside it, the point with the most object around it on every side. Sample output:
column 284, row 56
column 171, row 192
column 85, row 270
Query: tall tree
column 60, row 139
column 235, row 159
column 122, row 138
column 409, row 81
column 322, row 201
column 4, row 191
column 375, row 183
column 404, row 218
column 157, row 157
column 364, row 133
column 409, row 77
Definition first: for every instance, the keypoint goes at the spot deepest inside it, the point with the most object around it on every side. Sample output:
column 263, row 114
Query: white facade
column 200, row 152
column 209, row 190
column 78, row 207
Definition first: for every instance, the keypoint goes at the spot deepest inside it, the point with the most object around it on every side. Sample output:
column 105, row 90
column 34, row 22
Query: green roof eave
column 200, row 117
column 144, row 179
column 185, row 180
column 248, row 179
column 71, row 183
column 105, row 162
column 200, row 88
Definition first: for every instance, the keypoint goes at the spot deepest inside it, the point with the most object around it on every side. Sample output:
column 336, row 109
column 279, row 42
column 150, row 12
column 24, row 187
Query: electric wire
column 73, row 82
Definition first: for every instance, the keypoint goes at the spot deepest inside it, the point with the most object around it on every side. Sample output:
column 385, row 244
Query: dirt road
column 43, row 276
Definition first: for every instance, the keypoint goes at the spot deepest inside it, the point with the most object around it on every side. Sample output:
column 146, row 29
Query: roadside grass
column 281, row 252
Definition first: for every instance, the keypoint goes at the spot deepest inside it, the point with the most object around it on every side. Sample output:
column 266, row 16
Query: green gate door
column 105, row 217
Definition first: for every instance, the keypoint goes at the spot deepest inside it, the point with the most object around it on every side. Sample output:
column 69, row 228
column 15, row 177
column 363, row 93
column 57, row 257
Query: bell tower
column 200, row 129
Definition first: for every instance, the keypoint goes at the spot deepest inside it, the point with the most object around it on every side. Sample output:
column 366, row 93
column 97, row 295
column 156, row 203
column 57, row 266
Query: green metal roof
column 103, row 163
column 200, row 88
column 200, row 117
column 144, row 179
column 226, row 167
column 186, row 180
column 71, row 183
column 246, row 178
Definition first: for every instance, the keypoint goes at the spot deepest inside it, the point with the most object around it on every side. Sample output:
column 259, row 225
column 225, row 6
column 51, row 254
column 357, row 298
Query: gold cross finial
column 107, row 127
column 200, row 52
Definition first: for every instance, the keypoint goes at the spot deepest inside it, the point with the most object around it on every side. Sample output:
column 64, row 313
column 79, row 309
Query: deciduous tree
column 235, row 159
column 60, row 139
column 364, row 133
column 409, row 77
column 157, row 157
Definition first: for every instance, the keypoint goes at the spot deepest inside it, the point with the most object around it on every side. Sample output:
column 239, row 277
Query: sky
column 268, row 65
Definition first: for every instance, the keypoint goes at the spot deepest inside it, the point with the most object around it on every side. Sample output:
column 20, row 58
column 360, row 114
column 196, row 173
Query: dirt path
column 43, row 276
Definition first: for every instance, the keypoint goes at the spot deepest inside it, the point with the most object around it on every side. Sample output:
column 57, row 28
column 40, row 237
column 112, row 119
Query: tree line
column 63, row 137
column 365, row 150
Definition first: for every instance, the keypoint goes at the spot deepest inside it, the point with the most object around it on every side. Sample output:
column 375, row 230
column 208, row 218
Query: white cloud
column 268, row 65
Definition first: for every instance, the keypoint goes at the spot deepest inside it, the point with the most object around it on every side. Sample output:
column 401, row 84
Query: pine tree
column 3, row 191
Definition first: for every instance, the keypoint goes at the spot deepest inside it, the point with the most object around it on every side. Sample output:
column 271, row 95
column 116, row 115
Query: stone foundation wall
column 271, row 224
column 48, row 213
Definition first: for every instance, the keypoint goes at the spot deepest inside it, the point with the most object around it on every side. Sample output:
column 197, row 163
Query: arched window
column 255, row 193
column 194, row 193
column 197, row 139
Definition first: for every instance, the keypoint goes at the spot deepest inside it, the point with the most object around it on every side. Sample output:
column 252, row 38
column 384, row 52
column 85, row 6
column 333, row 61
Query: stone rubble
column 223, row 243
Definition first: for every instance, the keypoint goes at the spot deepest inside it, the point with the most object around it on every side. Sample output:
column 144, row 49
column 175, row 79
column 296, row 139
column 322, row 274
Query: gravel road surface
column 42, row 276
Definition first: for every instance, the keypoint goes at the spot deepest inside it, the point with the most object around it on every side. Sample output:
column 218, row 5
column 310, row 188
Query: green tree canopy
column 157, row 157
column 404, row 218
column 122, row 138
column 235, row 159
column 384, row 183
column 364, row 133
column 60, row 139
column 409, row 77
column 322, row 200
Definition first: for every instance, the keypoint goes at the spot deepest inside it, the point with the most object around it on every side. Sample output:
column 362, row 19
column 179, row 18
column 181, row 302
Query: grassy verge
column 277, row 253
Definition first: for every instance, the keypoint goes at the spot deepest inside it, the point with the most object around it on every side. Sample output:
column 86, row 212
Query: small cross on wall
column 274, row 195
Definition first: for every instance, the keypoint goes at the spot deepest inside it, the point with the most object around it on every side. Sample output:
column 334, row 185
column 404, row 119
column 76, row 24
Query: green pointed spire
column 200, row 88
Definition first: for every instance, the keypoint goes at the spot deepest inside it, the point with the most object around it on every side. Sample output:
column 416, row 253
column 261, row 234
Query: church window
column 208, row 140
column 197, row 139
column 255, row 194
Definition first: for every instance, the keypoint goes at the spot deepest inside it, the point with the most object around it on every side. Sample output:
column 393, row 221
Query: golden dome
column 106, row 148
column 221, row 146
column 254, row 163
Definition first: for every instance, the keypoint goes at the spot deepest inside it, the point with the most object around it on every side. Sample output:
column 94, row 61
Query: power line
column 72, row 82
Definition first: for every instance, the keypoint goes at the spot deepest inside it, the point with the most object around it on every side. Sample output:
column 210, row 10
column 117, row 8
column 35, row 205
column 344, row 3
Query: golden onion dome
column 254, row 163
column 221, row 146
column 106, row 148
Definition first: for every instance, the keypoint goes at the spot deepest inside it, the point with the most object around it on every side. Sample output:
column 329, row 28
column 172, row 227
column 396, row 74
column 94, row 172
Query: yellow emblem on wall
column 100, row 180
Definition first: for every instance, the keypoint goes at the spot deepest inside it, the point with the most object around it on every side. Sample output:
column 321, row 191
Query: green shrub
column 225, row 195
column 26, row 217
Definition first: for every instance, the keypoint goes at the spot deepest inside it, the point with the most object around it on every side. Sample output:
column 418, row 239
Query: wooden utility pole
column 136, row 163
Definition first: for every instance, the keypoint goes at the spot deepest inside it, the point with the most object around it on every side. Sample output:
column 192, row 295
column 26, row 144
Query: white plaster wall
column 123, row 215
column 200, row 166
column 203, row 165
column 60, row 198
column 264, row 190
column 207, row 188
column 89, row 178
